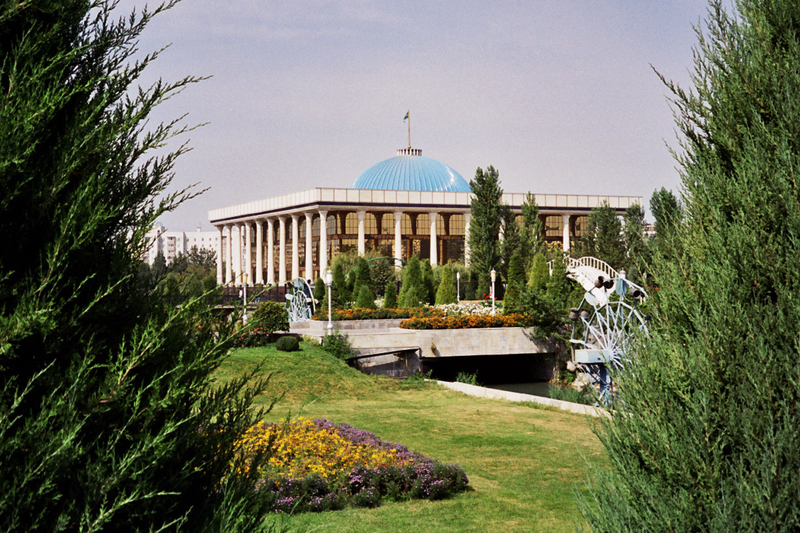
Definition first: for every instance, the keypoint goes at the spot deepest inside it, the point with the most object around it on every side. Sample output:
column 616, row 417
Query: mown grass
column 524, row 463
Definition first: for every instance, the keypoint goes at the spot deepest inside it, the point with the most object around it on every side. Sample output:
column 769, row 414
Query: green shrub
column 287, row 344
column 446, row 294
column 570, row 394
column 466, row 377
column 320, row 291
column 270, row 317
column 390, row 296
column 337, row 344
column 366, row 297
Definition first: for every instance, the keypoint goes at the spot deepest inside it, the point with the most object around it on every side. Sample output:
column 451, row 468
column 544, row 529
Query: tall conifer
column 108, row 421
column 706, row 431
column 484, row 227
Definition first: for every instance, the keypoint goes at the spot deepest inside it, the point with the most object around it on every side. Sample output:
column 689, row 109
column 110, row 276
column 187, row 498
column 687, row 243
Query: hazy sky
column 559, row 96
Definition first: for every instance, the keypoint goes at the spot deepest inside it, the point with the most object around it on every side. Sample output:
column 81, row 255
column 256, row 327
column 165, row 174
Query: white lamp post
column 494, row 276
column 458, row 287
column 329, row 283
column 244, row 297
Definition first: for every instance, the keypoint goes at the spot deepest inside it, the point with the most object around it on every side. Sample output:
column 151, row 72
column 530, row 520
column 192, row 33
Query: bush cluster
column 319, row 466
column 268, row 318
column 337, row 344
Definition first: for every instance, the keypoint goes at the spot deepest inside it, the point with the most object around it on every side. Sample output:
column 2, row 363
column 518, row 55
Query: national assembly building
column 406, row 205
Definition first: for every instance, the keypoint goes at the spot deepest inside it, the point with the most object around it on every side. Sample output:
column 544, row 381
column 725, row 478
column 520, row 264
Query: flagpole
column 408, row 114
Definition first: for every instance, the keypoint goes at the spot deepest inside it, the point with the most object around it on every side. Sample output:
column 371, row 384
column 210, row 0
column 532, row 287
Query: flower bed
column 315, row 465
column 467, row 321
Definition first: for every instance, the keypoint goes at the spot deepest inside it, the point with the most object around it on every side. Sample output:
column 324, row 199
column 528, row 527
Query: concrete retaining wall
column 371, row 334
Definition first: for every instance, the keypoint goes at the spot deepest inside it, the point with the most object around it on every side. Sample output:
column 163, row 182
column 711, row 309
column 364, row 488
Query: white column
column 398, row 239
column 282, row 257
column 295, row 248
column 270, row 251
column 238, row 252
column 434, row 248
column 467, row 219
column 220, row 256
column 248, row 254
column 228, row 255
column 362, row 246
column 260, row 252
column 309, row 244
column 323, row 243
column 565, row 222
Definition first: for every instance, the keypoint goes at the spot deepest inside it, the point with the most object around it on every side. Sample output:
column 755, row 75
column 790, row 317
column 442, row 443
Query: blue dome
column 411, row 172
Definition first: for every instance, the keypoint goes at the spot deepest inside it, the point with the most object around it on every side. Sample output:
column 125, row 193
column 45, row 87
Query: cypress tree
column 428, row 293
column 361, row 277
column 484, row 227
column 320, row 291
column 366, row 297
column 603, row 238
column 707, row 427
column 531, row 235
column 339, row 293
column 540, row 273
column 516, row 284
column 412, row 279
column 390, row 296
column 446, row 293
column 108, row 419
column 636, row 250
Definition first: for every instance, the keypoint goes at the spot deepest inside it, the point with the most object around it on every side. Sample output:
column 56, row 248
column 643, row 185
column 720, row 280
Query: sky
column 561, row 97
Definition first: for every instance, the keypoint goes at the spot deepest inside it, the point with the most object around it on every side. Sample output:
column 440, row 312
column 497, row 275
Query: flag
column 405, row 117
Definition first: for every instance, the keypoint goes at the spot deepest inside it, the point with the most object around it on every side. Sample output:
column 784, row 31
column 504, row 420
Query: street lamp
column 494, row 276
column 244, row 297
column 458, row 287
column 329, row 282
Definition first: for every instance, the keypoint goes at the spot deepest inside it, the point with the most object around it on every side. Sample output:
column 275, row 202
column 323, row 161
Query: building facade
column 172, row 243
column 407, row 205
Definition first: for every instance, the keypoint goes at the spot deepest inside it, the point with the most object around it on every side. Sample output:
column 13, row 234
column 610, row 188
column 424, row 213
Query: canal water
column 537, row 388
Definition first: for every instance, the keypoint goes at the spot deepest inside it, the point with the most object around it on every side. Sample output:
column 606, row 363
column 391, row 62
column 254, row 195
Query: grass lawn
column 524, row 462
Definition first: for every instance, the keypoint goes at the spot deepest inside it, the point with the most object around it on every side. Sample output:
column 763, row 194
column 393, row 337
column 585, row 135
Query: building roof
column 411, row 171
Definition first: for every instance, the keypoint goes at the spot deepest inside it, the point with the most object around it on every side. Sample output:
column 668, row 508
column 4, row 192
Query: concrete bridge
column 382, row 346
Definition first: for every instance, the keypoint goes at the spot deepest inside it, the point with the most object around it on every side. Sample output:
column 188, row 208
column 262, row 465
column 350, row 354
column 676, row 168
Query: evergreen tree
column 428, row 293
column 203, row 257
column 339, row 294
column 707, row 427
column 531, row 236
column 636, row 250
column 540, row 273
column 666, row 211
column 361, row 276
column 484, row 227
column 603, row 238
column 511, row 241
column 159, row 268
column 107, row 417
column 366, row 297
column 412, row 279
column 390, row 296
column 446, row 293
column 516, row 284
column 320, row 291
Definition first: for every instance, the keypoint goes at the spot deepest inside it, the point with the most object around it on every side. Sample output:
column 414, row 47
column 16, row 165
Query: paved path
column 484, row 392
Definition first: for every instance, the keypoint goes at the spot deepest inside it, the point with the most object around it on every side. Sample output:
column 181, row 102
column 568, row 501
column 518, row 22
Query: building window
column 553, row 226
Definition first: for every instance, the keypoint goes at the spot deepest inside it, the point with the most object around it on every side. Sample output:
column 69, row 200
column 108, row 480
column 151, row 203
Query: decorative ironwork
column 300, row 301
column 603, row 328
